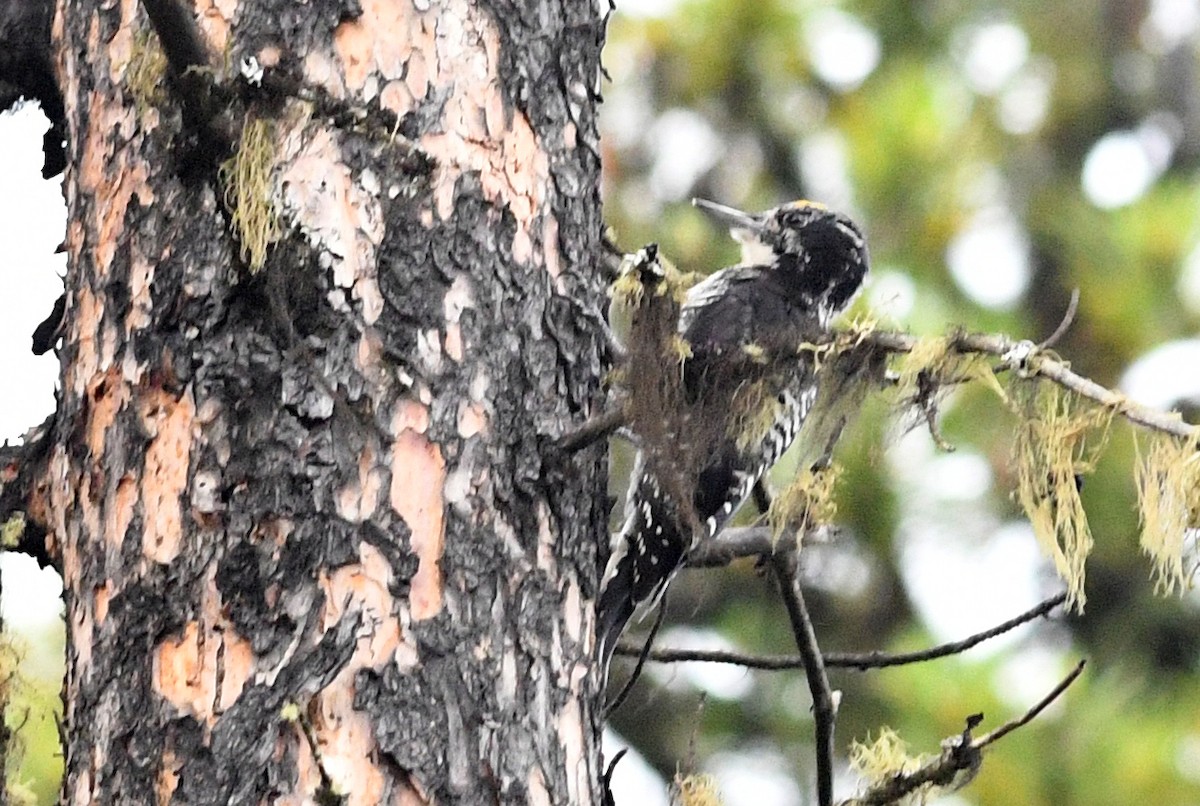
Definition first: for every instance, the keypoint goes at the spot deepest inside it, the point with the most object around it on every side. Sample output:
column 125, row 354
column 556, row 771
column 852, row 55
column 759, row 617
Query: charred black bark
column 27, row 71
column 254, row 589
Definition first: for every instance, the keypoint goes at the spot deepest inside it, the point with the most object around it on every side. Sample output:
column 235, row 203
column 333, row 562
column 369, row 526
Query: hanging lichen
column 1052, row 453
column 1168, row 481
column 695, row 790
column 849, row 369
column 249, row 195
column 879, row 761
column 646, row 300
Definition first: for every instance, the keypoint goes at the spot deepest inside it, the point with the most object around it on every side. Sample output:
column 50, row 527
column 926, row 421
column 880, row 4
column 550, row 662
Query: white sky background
column 32, row 219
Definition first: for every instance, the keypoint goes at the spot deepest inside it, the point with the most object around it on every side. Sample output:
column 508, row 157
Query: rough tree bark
column 314, row 538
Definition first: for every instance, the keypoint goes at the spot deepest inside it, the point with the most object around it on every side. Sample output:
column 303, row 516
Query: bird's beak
column 731, row 217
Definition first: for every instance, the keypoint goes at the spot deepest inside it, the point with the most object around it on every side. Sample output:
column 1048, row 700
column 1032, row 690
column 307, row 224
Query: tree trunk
column 314, row 537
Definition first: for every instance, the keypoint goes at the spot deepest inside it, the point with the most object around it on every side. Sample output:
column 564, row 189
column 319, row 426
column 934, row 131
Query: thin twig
column 594, row 430
column 845, row 660
column 879, row 660
column 1052, row 369
column 1067, row 320
column 785, row 568
column 1008, row 727
column 960, row 758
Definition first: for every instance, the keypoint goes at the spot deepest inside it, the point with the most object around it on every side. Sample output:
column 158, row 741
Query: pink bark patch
column 418, row 476
column 164, row 479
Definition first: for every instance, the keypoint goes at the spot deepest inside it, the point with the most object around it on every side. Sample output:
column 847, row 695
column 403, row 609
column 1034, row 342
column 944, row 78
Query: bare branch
column 1053, row 369
column 960, row 758
column 592, row 431
column 880, row 660
column 785, row 567
column 178, row 34
column 852, row 660
column 1008, row 727
column 731, row 544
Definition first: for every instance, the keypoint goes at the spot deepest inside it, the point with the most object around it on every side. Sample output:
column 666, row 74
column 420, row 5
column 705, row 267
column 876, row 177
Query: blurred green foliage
column 1068, row 135
column 32, row 710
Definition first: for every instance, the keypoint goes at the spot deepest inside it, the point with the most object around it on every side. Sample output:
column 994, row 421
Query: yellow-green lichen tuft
column 878, row 761
column 1052, row 452
column 146, row 71
column 12, row 531
column 934, row 364
column 1168, row 481
column 806, row 503
column 249, row 191
column 695, row 790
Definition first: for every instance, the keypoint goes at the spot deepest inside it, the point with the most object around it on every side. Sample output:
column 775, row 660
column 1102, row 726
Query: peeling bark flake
column 168, row 777
column 179, row 672
column 458, row 299
column 107, row 396
column 164, row 477
column 545, row 543
column 203, row 669
column 101, row 595
column 418, row 479
column 86, row 317
column 119, row 512
column 358, row 500
column 570, row 733
column 472, row 420
column 113, row 174
column 335, row 214
column 215, row 17
column 536, row 786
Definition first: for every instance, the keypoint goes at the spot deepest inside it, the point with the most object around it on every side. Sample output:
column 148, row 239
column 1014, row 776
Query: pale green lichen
column 1058, row 438
column 1168, row 481
column 249, row 191
column 695, row 790
column 881, row 760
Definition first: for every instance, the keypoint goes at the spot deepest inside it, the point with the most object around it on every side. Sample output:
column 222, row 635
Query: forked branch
column 960, row 758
